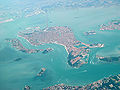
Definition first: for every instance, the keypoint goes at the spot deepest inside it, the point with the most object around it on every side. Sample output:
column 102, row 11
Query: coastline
column 26, row 40
column 62, row 45
column 40, row 44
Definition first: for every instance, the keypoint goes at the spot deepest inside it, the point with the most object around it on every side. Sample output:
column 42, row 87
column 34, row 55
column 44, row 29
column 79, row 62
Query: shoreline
column 26, row 40
column 62, row 45
column 49, row 43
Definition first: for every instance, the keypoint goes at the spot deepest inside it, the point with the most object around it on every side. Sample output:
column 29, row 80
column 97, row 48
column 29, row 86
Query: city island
column 78, row 52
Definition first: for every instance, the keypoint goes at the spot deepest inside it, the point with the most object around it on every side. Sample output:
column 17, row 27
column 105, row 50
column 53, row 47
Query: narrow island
column 109, row 59
column 113, row 25
column 78, row 52
column 109, row 83
column 89, row 33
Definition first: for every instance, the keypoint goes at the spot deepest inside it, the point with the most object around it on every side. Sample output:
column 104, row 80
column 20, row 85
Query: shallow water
column 15, row 74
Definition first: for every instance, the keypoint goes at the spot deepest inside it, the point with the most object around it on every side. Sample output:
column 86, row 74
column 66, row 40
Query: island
column 109, row 59
column 113, row 25
column 18, row 45
column 109, row 83
column 78, row 52
column 26, row 87
column 89, row 33
column 41, row 72
column 18, row 59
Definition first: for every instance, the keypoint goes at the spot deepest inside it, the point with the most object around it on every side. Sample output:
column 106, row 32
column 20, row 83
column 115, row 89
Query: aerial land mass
column 113, row 25
column 109, row 59
column 110, row 83
column 18, row 45
column 89, row 33
column 41, row 72
column 78, row 52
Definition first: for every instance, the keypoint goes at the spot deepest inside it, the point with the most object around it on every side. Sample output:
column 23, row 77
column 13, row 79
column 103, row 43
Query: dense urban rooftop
column 78, row 52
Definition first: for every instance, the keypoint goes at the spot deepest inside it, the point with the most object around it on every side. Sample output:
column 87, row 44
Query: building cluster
column 90, row 33
column 77, row 51
column 78, row 56
column 63, row 87
column 114, row 25
column 18, row 45
column 109, row 58
column 110, row 83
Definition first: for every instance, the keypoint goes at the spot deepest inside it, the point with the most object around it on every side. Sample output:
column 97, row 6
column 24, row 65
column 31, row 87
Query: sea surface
column 14, row 75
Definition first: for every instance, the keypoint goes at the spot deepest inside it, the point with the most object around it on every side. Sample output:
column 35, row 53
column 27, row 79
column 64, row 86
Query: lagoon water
column 14, row 75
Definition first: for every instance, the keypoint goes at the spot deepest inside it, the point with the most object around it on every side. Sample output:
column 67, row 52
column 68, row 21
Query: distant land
column 80, row 3
column 110, row 83
column 113, row 25
column 109, row 58
column 42, row 6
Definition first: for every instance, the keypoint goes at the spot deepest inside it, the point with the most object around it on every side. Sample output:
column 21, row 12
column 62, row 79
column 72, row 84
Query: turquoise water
column 14, row 75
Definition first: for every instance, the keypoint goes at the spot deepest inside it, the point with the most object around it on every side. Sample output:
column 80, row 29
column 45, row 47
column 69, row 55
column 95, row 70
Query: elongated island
column 18, row 45
column 109, row 83
column 109, row 58
column 113, row 25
